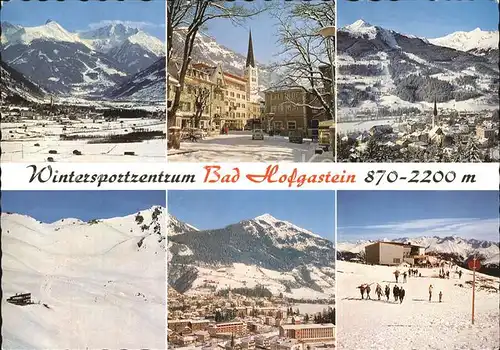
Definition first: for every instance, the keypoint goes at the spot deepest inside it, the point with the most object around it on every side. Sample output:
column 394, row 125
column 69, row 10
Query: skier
column 368, row 289
column 430, row 292
column 378, row 291
column 387, row 292
column 362, row 290
column 401, row 295
column 440, row 296
column 396, row 274
column 395, row 292
column 404, row 277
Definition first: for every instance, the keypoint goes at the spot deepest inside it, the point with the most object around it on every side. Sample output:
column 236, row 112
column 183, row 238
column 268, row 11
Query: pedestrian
column 368, row 289
column 362, row 290
column 448, row 274
column 460, row 274
column 401, row 295
column 396, row 274
column 430, row 292
column 440, row 296
column 404, row 277
column 387, row 292
column 395, row 292
column 378, row 291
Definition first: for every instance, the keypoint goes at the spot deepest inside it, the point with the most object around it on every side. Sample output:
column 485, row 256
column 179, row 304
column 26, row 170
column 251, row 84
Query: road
column 239, row 147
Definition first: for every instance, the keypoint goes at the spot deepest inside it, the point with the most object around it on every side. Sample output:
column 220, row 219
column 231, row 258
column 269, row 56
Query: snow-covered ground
column 101, row 289
column 239, row 147
column 31, row 141
column 416, row 323
column 240, row 275
column 363, row 125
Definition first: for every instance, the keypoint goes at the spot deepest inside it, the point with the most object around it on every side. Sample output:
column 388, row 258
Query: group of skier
column 398, row 292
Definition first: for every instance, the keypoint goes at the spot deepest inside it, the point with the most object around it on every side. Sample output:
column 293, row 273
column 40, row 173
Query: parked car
column 296, row 136
column 257, row 134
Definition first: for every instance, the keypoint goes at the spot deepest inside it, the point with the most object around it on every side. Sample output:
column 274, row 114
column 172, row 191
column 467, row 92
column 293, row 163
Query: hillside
column 265, row 250
column 96, row 278
column 381, row 68
column 16, row 87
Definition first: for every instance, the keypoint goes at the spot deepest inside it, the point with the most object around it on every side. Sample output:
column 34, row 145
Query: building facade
column 228, row 328
column 232, row 99
column 393, row 253
column 308, row 332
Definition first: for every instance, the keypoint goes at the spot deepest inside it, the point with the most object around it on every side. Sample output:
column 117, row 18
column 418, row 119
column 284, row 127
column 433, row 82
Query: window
column 396, row 260
column 232, row 94
column 237, row 114
column 243, row 105
column 278, row 125
column 253, row 79
column 292, row 125
column 238, row 105
column 238, row 96
column 243, row 115
column 227, row 92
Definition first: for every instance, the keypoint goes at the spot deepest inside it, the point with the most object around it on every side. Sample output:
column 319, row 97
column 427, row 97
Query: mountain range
column 261, row 251
column 87, row 279
column 459, row 248
column 383, row 68
column 84, row 63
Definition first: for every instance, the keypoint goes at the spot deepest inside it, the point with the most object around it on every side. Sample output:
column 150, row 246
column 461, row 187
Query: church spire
column 434, row 113
column 250, row 58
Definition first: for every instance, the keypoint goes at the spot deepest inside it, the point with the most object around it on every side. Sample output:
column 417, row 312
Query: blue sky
column 50, row 206
column 76, row 15
column 396, row 214
column 312, row 210
column 422, row 18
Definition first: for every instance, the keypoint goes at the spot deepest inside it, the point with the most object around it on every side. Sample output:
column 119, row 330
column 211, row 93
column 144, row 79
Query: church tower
column 434, row 113
column 251, row 73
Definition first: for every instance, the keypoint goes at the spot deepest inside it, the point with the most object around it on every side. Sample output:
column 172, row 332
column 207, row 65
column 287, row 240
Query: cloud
column 468, row 228
column 134, row 24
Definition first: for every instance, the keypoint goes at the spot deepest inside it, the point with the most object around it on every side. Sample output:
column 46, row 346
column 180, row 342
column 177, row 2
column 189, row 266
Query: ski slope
column 416, row 323
column 101, row 289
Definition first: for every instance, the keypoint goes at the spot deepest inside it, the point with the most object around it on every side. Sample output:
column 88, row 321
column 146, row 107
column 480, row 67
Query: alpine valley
column 381, row 68
column 110, row 62
column 260, row 252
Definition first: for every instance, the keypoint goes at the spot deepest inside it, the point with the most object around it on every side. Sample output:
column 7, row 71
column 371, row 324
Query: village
column 435, row 136
column 235, row 321
column 63, row 132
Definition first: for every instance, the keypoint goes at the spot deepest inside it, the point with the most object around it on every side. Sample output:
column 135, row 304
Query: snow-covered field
column 416, row 323
column 239, row 147
column 363, row 125
column 31, row 141
column 101, row 289
column 249, row 276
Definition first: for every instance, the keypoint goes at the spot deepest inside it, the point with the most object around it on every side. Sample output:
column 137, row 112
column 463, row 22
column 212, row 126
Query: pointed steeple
column 435, row 112
column 250, row 58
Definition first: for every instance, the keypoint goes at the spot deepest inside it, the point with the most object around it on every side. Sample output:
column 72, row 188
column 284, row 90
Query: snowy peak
column 476, row 39
column 281, row 228
column 148, row 42
column 177, row 227
column 361, row 28
column 51, row 31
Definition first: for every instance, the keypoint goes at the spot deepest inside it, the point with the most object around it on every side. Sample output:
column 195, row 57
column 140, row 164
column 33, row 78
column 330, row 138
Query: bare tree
column 305, row 61
column 201, row 99
column 189, row 16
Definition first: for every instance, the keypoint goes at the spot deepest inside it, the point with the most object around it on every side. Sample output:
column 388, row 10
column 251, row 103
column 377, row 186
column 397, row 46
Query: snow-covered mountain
column 383, row 68
column 207, row 50
column 14, row 85
column 78, row 63
column 177, row 227
column 91, row 279
column 459, row 247
column 147, row 85
column 262, row 251
column 476, row 40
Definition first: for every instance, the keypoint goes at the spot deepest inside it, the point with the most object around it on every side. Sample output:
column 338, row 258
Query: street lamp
column 329, row 33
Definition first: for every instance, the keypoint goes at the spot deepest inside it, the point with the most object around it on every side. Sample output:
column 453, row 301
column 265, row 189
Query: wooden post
column 473, row 288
